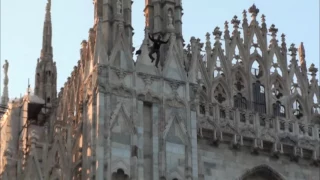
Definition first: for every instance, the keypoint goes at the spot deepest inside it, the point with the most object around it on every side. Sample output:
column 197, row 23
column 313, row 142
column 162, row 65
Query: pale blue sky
column 22, row 23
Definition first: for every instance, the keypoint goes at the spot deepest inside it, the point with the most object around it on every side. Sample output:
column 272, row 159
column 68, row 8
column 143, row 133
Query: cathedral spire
column 46, row 71
column 46, row 51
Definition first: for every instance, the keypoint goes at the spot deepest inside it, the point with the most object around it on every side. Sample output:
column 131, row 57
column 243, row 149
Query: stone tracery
column 220, row 94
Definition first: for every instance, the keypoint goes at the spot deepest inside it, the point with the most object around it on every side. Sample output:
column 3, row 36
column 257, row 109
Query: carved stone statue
column 170, row 20
column 119, row 6
column 5, row 67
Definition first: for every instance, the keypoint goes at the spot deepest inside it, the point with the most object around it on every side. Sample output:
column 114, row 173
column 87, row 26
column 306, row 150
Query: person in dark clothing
column 156, row 48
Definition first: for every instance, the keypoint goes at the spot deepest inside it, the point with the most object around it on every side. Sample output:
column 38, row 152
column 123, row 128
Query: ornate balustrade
column 260, row 132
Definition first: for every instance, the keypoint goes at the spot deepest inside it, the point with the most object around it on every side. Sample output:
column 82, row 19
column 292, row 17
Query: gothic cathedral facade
column 239, row 106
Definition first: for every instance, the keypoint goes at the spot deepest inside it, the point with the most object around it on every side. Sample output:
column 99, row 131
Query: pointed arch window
column 259, row 98
column 240, row 101
column 279, row 109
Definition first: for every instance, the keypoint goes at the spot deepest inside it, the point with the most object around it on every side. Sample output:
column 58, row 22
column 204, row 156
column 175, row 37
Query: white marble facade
column 243, row 110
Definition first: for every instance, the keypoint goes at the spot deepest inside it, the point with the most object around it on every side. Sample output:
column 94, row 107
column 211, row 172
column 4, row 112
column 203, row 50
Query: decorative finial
column 244, row 18
column 293, row 50
column 254, row 11
column 273, row 30
column 207, row 36
column 226, row 27
column 189, row 48
column 217, row 33
column 235, row 22
column 283, row 39
column 208, row 43
column 244, row 13
column 313, row 70
column 84, row 43
column 263, row 18
column 200, row 45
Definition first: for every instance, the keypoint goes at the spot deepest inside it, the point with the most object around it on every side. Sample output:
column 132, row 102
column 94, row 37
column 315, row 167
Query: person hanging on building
column 156, row 48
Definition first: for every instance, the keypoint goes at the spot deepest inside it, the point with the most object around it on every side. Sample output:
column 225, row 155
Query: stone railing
column 260, row 132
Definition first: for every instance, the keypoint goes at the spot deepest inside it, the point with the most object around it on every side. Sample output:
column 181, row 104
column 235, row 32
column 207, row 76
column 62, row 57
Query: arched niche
column 262, row 172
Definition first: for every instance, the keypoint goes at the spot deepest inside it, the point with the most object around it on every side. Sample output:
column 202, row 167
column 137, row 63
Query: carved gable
column 121, row 121
column 58, row 156
column 173, row 67
column 121, row 55
column 33, row 170
column 100, row 53
column 176, row 132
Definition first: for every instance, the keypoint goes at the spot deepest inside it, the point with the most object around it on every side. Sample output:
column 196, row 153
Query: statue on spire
column 5, row 95
column 5, row 68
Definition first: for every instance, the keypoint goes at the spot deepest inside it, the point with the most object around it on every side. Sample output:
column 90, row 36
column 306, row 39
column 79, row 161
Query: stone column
column 140, row 143
column 155, row 141
column 194, row 145
column 100, row 109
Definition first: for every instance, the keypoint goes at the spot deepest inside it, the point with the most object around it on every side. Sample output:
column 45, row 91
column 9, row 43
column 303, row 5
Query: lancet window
column 240, row 101
column 259, row 98
column 279, row 109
